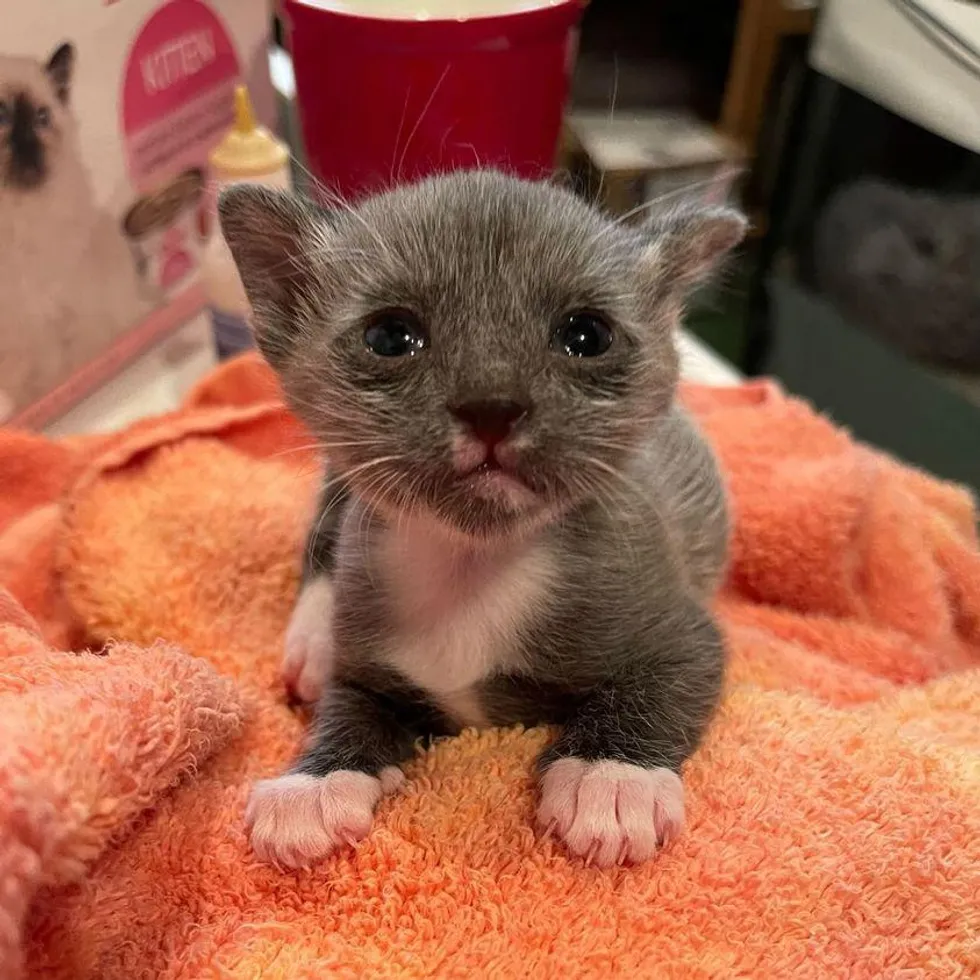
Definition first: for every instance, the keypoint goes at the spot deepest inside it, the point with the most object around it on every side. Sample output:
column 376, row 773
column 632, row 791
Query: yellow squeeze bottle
column 248, row 153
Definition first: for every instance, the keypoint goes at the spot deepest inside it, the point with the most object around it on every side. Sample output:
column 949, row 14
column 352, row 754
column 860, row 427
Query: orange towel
column 87, row 743
column 834, row 824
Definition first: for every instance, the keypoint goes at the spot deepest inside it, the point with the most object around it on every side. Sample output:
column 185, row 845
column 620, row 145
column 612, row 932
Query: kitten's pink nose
column 491, row 420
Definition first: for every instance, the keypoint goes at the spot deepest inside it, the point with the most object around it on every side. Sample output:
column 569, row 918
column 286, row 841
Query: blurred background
column 849, row 130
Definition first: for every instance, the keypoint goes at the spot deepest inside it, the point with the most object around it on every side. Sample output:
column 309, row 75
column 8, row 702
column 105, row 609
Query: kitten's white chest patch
column 458, row 612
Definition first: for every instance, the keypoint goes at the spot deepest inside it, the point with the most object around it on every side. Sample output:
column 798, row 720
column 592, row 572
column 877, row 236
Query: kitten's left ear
column 688, row 242
column 274, row 238
column 59, row 69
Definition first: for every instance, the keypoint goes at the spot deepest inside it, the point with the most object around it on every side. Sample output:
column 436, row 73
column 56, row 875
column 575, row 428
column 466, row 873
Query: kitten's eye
column 395, row 333
column 582, row 335
column 43, row 116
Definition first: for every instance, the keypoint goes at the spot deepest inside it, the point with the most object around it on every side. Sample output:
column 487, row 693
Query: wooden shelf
column 762, row 26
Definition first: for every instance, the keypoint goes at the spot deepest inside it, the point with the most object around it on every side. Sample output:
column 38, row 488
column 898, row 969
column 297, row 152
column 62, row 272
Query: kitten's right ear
column 271, row 235
column 688, row 240
column 59, row 69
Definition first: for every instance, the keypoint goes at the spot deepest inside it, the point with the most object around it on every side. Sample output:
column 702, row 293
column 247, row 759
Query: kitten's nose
column 491, row 420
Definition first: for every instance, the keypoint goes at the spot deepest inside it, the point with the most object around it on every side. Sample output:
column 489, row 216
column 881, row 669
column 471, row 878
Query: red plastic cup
column 383, row 101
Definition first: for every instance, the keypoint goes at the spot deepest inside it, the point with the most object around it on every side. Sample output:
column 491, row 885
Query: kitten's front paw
column 308, row 659
column 611, row 812
column 297, row 820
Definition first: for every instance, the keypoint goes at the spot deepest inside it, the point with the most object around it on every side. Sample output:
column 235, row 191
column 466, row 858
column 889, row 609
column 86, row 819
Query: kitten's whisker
column 421, row 118
column 611, row 499
column 344, row 478
column 294, row 450
column 615, row 91
column 324, row 448
column 398, row 136
column 652, row 499
column 332, row 201
column 367, row 495
column 678, row 192
column 305, row 171
column 312, row 538
column 370, row 464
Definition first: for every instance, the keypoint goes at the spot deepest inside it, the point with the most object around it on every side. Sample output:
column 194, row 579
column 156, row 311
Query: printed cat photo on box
column 68, row 286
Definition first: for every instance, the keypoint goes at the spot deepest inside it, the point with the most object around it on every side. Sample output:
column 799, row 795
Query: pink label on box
column 177, row 90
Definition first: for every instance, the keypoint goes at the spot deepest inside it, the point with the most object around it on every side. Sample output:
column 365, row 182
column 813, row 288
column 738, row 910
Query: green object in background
column 717, row 315
column 879, row 394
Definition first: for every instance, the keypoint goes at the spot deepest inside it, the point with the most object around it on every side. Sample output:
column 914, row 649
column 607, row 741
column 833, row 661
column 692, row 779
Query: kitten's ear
column 688, row 242
column 271, row 235
column 59, row 69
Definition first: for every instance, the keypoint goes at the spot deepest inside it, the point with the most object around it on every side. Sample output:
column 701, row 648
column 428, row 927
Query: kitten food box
column 108, row 110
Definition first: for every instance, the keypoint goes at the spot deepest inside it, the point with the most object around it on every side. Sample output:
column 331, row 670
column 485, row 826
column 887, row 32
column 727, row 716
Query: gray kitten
column 520, row 525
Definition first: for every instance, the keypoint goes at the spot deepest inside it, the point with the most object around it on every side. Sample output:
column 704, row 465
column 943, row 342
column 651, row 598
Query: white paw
column 296, row 820
column 611, row 812
column 308, row 660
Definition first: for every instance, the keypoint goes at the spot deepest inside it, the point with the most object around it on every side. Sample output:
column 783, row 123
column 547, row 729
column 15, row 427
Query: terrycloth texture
column 834, row 811
column 86, row 744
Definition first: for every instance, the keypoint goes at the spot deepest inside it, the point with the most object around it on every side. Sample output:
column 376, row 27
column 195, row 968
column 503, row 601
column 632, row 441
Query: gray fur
column 629, row 512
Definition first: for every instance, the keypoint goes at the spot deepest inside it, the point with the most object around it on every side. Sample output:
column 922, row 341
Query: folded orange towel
column 834, row 809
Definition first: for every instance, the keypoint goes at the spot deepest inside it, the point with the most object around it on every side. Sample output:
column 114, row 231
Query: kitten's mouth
column 496, row 481
column 490, row 466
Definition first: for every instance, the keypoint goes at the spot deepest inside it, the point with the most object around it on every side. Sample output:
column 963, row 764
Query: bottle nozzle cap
column 248, row 150
column 244, row 115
